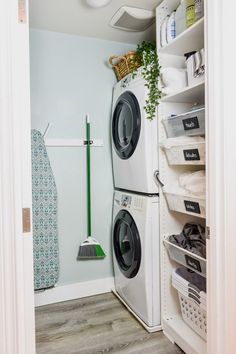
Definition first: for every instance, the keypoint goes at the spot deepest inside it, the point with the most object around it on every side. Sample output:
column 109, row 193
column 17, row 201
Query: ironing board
column 45, row 233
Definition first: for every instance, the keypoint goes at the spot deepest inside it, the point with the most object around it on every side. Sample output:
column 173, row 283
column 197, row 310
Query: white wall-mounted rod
column 72, row 142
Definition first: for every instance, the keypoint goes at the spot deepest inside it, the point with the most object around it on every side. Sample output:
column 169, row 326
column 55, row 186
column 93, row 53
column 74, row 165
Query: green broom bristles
column 90, row 249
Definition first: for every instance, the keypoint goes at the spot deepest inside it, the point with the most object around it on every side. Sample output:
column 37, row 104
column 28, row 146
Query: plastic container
column 170, row 29
column 180, row 18
column 191, row 123
column 186, row 204
column 185, row 151
column 195, row 71
column 192, row 301
column 199, row 9
column 163, row 33
column 186, row 258
column 190, row 12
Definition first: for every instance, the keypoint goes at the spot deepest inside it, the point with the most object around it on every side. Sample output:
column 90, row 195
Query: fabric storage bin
column 186, row 204
column 193, row 308
column 185, row 151
column 186, row 258
column 186, row 124
column 195, row 63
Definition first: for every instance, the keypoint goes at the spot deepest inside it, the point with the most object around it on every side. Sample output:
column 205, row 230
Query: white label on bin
column 191, row 155
column 192, row 207
column 190, row 123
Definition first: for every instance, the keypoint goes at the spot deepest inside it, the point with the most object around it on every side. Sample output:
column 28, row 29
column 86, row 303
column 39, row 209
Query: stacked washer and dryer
column 135, row 235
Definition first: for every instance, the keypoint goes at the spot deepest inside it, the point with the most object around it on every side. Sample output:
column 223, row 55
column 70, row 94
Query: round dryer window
column 127, row 245
column 126, row 125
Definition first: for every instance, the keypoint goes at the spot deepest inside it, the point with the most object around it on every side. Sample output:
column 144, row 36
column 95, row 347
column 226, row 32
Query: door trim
column 221, row 270
column 17, row 327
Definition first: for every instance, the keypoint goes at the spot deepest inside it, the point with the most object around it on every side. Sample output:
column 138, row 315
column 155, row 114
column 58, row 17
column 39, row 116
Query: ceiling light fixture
column 98, row 3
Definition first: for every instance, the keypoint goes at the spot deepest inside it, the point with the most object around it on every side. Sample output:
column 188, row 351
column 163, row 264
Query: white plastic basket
column 193, row 315
column 192, row 300
column 186, row 258
column 187, row 154
column 186, row 204
column 186, row 124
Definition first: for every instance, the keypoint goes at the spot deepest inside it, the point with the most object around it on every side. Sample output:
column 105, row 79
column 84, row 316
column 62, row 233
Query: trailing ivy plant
column 147, row 55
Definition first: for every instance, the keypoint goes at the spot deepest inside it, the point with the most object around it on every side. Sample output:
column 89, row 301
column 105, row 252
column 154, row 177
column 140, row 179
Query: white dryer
column 136, row 255
column 134, row 138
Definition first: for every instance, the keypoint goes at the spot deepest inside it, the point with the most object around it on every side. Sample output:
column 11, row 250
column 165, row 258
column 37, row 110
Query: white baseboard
column 73, row 291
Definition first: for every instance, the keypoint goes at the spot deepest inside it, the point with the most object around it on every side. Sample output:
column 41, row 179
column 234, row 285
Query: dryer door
column 127, row 245
column 126, row 125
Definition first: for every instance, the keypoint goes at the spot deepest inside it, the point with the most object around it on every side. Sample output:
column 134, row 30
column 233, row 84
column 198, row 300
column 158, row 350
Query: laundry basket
column 192, row 299
column 124, row 65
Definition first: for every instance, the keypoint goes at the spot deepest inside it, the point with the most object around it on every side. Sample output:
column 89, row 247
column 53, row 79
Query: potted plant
column 146, row 53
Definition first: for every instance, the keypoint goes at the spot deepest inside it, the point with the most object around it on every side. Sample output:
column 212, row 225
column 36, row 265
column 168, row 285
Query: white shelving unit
column 172, row 222
column 190, row 94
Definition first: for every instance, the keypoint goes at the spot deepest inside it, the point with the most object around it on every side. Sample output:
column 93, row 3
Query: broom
column 90, row 248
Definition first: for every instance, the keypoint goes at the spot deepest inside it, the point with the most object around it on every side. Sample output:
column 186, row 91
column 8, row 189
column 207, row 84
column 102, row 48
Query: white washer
column 136, row 255
column 134, row 138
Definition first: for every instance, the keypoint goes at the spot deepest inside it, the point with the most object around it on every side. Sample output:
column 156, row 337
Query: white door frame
column 222, row 177
column 17, row 331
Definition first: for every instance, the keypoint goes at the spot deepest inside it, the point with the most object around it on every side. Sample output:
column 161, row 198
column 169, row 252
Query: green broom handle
column 88, row 177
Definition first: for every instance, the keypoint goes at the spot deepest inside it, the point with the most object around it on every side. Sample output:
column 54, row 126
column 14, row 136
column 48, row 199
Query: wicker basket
column 124, row 65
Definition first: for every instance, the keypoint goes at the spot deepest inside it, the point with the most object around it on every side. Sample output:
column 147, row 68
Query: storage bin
column 124, row 65
column 193, row 315
column 194, row 311
column 185, row 151
column 195, row 63
column 186, row 204
column 186, row 258
column 186, row 124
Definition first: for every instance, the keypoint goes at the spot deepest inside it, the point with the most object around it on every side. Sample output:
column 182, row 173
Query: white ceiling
column 75, row 17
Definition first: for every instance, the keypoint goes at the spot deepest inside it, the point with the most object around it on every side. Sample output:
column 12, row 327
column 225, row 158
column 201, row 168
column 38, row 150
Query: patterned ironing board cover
column 45, row 233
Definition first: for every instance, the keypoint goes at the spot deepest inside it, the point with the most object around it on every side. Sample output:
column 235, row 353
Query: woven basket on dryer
column 124, row 65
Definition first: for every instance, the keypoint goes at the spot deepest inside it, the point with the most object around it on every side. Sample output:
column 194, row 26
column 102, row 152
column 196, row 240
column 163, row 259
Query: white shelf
column 178, row 331
column 189, row 40
column 190, row 94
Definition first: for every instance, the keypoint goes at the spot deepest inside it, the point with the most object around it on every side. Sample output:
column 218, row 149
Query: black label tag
column 191, row 155
column 192, row 207
column 190, row 123
column 193, row 263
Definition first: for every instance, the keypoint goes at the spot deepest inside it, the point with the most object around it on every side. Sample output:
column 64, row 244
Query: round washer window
column 126, row 125
column 127, row 245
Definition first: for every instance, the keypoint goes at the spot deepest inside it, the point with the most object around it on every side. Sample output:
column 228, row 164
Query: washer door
column 127, row 245
column 126, row 125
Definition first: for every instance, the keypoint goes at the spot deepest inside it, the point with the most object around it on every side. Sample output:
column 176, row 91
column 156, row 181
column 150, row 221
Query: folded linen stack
column 190, row 184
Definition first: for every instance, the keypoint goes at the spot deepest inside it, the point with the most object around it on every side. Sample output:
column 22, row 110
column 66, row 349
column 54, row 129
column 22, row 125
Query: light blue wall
column 69, row 78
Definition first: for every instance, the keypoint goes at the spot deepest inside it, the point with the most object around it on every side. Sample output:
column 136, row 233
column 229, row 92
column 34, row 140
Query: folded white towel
column 189, row 183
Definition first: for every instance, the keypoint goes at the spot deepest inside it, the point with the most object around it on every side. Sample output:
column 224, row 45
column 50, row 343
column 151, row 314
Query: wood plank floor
column 95, row 325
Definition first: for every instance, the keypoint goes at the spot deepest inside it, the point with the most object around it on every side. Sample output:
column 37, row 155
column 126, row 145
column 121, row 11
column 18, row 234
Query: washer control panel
column 126, row 200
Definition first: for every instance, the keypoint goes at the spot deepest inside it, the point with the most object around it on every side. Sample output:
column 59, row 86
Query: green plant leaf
column 146, row 51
